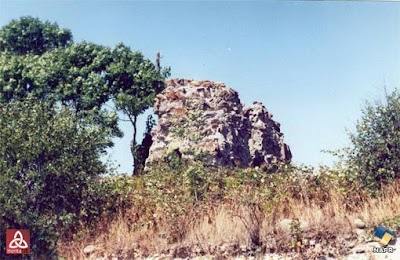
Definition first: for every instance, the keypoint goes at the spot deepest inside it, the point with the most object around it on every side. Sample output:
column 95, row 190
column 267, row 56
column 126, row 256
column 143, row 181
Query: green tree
column 374, row 157
column 72, row 76
column 83, row 76
column 135, row 81
column 30, row 35
column 47, row 161
column 54, row 124
column 79, row 75
column 38, row 58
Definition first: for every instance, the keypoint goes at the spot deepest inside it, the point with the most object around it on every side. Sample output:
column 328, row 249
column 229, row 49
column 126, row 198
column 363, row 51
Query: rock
column 373, row 244
column 304, row 226
column 285, row 225
column 358, row 257
column 361, row 235
column 324, row 257
column 89, row 249
column 348, row 236
column 197, row 250
column 359, row 249
column 208, row 118
column 243, row 248
column 195, row 83
column 351, row 244
column 359, row 223
column 224, row 247
column 312, row 242
column 360, row 232
column 318, row 249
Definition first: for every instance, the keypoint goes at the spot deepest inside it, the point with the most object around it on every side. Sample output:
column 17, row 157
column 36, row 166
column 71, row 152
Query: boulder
column 286, row 225
column 359, row 223
column 89, row 249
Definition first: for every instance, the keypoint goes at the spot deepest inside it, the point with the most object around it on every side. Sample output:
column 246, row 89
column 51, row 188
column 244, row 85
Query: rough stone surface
column 359, row 223
column 360, row 232
column 314, row 250
column 286, row 225
column 89, row 249
column 205, row 119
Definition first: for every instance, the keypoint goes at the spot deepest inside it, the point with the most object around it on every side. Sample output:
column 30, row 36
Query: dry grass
column 208, row 224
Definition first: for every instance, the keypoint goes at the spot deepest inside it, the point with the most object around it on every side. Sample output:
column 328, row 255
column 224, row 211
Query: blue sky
column 311, row 63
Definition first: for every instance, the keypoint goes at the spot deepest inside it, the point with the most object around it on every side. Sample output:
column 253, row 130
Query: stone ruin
column 205, row 119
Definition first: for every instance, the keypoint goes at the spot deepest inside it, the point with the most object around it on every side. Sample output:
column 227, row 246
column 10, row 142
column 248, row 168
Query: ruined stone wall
column 206, row 120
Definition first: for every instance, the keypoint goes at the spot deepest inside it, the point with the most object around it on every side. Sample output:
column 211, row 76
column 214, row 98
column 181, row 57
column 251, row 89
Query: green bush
column 104, row 198
column 49, row 167
column 374, row 156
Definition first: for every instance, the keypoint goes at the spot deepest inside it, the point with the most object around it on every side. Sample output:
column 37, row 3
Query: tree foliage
column 47, row 161
column 135, row 82
column 374, row 157
column 45, row 63
column 55, row 124
column 30, row 35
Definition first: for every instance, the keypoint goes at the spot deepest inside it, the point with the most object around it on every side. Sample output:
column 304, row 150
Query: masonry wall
column 207, row 121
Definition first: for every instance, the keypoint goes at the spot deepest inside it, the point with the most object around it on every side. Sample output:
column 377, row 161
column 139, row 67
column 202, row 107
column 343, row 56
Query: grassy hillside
column 192, row 211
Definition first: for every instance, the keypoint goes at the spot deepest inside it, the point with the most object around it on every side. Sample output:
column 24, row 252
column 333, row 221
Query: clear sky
column 311, row 63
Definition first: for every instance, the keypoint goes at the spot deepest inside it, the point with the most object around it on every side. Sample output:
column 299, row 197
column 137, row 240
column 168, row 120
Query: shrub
column 171, row 197
column 105, row 198
column 49, row 162
column 374, row 156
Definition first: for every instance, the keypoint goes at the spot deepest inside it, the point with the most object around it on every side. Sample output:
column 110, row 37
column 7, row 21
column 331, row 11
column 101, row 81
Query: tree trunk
column 158, row 58
column 134, row 145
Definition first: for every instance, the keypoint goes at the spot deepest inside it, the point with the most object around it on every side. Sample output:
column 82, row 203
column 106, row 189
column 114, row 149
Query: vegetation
column 193, row 207
column 55, row 124
column 135, row 83
column 41, row 60
column 376, row 144
column 373, row 159
column 47, row 162
column 30, row 35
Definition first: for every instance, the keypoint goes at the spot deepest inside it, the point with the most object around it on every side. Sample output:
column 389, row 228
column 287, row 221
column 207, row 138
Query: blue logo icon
column 383, row 235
